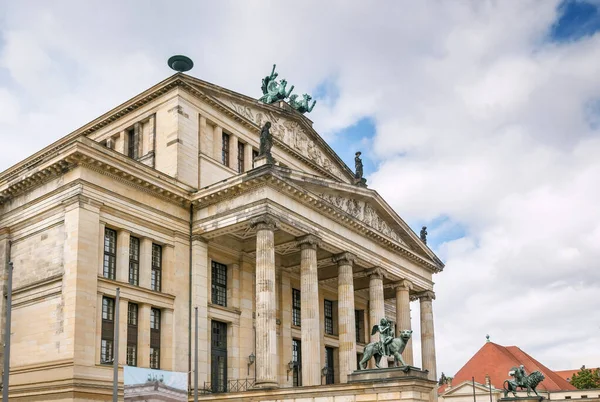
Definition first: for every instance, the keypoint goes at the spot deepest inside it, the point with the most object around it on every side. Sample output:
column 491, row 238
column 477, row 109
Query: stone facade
column 160, row 198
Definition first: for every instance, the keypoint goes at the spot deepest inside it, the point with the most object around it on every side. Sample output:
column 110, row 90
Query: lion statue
column 396, row 348
column 530, row 382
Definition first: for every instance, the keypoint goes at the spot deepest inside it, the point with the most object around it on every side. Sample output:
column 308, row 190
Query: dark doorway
column 218, row 367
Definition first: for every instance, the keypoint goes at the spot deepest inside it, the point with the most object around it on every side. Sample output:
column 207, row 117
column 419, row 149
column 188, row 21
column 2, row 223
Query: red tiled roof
column 567, row 374
column 496, row 361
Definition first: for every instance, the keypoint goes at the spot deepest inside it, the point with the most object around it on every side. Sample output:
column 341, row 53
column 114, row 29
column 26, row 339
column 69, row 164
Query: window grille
column 134, row 261
column 219, row 284
column 329, row 317
column 296, row 307
column 225, row 150
column 108, row 330
column 155, row 280
column 110, row 253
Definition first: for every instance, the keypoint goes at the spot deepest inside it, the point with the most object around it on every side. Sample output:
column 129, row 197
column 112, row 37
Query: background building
column 289, row 264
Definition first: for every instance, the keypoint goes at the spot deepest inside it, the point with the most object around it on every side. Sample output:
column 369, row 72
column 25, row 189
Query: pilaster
column 144, row 335
column 122, row 274
column 145, row 262
column 200, row 289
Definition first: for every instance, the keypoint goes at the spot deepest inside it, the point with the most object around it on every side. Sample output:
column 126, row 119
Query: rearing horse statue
column 396, row 348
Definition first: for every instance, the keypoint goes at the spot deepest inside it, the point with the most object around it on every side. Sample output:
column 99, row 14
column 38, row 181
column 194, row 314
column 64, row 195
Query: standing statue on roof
column 424, row 234
column 266, row 142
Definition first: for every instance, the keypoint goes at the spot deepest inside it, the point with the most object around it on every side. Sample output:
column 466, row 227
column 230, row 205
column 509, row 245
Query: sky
column 479, row 119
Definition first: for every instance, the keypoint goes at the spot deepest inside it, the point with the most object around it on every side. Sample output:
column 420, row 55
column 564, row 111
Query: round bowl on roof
column 180, row 63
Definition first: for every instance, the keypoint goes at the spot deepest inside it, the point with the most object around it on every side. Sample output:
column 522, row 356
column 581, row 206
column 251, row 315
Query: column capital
column 404, row 284
column 264, row 222
column 376, row 273
column 427, row 295
column 345, row 258
column 309, row 241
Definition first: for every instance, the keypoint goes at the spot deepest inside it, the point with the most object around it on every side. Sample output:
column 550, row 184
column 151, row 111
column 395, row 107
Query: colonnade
column 266, row 335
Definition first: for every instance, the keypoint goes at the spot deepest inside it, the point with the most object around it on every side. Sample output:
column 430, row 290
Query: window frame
column 156, row 274
column 218, row 281
column 329, row 363
column 297, row 360
column 109, row 271
column 155, row 337
column 132, row 143
column 107, row 330
column 225, row 140
column 328, row 307
column 132, row 334
column 241, row 157
column 359, row 325
column 296, row 307
column 134, row 261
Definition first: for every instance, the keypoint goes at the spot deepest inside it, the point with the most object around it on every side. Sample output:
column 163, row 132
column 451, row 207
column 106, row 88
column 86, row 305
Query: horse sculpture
column 530, row 382
column 396, row 348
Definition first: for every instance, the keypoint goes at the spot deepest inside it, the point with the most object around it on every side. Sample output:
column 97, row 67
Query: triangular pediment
column 368, row 207
column 466, row 388
column 291, row 130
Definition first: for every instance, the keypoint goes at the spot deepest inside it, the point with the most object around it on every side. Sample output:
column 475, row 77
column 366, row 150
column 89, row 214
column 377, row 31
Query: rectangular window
column 219, row 284
column 155, row 338
column 240, row 159
column 108, row 330
column 254, row 155
column 132, row 143
column 329, row 317
column 296, row 307
column 132, row 334
column 329, row 377
column 110, row 253
column 155, row 280
column 225, row 150
column 359, row 324
column 297, row 359
column 134, row 261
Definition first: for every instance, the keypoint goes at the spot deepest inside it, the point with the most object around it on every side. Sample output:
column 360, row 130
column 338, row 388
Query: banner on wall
column 154, row 385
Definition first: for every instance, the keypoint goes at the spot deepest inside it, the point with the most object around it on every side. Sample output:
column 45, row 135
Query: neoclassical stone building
column 289, row 264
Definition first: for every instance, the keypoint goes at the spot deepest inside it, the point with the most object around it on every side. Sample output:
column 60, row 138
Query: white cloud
column 478, row 119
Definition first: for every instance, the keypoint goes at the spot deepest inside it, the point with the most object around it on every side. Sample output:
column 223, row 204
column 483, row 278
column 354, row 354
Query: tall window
column 108, row 330
column 359, row 325
column 132, row 334
column 254, row 155
column 297, row 359
column 219, row 284
column 329, row 317
column 155, row 338
column 225, row 150
column 296, row 307
column 240, row 160
column 329, row 378
column 110, row 253
column 132, row 143
column 155, row 280
column 134, row 260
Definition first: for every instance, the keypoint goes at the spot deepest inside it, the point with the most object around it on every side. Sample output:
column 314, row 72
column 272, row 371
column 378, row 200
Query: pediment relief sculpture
column 290, row 133
column 365, row 213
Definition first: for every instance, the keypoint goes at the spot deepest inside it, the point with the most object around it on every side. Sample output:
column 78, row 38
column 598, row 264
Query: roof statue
column 272, row 90
column 522, row 380
column 266, row 143
column 387, row 345
column 359, row 180
column 424, row 234
column 302, row 106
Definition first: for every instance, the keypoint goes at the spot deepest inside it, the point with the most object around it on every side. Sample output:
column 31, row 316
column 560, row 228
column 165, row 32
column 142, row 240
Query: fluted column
column 403, row 316
column 266, row 331
column 346, row 322
column 376, row 303
column 309, row 311
column 427, row 337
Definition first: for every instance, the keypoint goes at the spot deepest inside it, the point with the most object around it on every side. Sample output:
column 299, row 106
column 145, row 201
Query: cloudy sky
column 478, row 119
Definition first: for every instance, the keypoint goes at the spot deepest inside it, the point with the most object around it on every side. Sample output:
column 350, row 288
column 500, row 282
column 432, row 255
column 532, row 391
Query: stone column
column 309, row 311
column 266, row 331
column 376, row 303
column 346, row 320
column 428, row 338
column 403, row 316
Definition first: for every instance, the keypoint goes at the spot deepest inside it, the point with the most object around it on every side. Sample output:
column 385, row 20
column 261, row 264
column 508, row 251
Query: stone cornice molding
column 199, row 238
column 345, row 258
column 376, row 273
column 428, row 295
column 264, row 222
column 309, row 241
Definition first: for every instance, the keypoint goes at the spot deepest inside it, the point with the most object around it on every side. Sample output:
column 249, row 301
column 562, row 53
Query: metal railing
column 241, row 385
